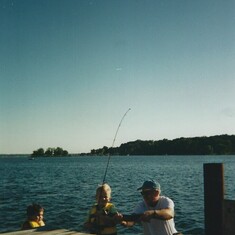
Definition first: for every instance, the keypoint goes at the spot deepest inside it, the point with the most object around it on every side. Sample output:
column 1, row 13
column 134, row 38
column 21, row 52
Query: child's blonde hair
column 104, row 188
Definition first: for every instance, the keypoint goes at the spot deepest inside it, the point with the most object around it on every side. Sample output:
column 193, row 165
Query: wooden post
column 213, row 198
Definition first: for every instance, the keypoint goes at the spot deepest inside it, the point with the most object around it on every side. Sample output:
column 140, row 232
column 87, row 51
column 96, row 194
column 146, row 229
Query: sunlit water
column 65, row 187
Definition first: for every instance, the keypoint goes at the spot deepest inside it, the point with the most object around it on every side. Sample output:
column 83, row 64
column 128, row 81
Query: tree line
column 49, row 152
column 213, row 145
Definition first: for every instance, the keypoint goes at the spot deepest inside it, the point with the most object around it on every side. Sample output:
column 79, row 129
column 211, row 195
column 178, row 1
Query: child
column 34, row 217
column 103, row 215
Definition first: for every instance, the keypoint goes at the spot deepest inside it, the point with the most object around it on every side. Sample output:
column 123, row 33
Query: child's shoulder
column 93, row 208
column 34, row 224
column 30, row 224
column 109, row 204
column 111, row 208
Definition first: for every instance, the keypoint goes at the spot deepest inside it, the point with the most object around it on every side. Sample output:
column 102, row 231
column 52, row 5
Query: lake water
column 65, row 187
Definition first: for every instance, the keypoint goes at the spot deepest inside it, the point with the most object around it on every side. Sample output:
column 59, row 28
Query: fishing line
column 114, row 139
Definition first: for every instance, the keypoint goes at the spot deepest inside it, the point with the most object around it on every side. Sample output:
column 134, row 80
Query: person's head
column 35, row 212
column 150, row 190
column 103, row 194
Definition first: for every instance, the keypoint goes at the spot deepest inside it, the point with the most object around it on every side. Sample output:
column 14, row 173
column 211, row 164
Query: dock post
column 213, row 198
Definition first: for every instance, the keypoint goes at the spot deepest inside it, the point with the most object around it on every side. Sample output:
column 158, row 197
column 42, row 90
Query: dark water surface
column 65, row 187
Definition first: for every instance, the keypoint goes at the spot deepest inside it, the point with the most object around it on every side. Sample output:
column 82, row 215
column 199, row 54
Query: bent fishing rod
column 105, row 173
column 114, row 139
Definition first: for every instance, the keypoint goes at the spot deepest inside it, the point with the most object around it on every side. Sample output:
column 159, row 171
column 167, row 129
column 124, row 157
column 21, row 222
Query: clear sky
column 70, row 69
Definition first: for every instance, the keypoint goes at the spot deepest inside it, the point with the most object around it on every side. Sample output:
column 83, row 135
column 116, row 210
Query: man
column 157, row 212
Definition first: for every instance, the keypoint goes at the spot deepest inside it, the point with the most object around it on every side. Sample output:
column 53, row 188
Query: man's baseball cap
column 150, row 185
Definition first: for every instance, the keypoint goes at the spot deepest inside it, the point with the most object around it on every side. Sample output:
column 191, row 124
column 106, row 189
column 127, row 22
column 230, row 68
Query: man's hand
column 148, row 215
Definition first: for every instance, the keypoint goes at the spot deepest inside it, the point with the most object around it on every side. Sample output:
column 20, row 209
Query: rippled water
column 65, row 187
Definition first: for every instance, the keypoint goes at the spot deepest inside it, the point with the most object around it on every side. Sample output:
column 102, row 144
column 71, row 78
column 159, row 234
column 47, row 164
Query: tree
column 49, row 152
column 60, row 152
column 38, row 153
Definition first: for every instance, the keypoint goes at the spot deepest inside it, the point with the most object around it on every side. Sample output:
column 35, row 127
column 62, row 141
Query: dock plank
column 45, row 232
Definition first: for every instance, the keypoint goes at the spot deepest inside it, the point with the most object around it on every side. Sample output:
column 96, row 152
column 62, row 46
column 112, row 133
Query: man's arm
column 163, row 214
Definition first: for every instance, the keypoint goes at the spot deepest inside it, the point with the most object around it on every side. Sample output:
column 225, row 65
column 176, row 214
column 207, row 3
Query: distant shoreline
column 87, row 156
column 212, row 145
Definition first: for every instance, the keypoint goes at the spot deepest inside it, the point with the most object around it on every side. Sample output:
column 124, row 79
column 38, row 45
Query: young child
column 103, row 215
column 34, row 217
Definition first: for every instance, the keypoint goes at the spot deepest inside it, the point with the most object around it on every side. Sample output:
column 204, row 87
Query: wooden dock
column 45, row 232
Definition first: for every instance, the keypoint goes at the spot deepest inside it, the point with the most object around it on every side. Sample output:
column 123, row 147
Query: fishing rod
column 98, row 219
column 114, row 139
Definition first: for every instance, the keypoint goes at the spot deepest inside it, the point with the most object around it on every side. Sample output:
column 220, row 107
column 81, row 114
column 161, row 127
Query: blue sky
column 70, row 69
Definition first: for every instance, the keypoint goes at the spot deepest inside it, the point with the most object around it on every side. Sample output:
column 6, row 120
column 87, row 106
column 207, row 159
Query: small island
column 50, row 152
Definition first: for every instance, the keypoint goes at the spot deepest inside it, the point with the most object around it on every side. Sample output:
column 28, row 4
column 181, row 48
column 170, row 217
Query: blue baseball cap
column 150, row 185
